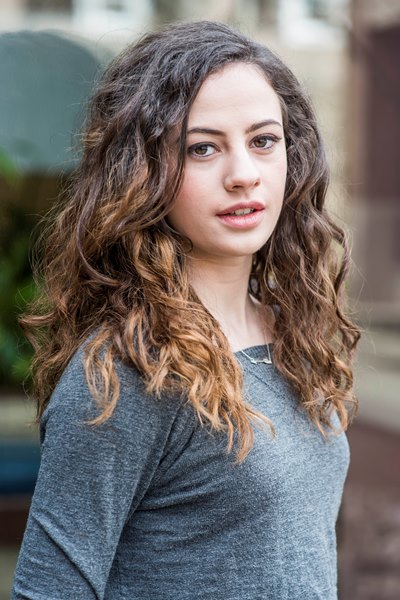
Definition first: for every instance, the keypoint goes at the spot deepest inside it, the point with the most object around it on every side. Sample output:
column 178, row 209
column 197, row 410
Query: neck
column 223, row 289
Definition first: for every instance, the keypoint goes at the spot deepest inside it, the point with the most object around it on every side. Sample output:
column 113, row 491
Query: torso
column 149, row 506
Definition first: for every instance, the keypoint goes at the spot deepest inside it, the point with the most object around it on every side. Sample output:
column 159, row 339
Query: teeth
column 242, row 211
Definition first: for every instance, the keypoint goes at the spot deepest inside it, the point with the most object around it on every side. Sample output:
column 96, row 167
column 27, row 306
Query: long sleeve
column 90, row 480
column 150, row 506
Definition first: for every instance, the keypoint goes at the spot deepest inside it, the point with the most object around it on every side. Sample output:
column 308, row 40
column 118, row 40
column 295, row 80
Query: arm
column 90, row 480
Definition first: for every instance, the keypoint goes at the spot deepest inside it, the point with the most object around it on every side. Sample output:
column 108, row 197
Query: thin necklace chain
column 267, row 360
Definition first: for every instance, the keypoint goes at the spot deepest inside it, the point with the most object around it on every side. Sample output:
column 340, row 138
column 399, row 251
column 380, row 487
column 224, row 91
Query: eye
column 201, row 150
column 265, row 142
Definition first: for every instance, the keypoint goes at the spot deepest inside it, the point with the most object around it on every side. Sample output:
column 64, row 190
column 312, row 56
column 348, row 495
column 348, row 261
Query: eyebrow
column 250, row 129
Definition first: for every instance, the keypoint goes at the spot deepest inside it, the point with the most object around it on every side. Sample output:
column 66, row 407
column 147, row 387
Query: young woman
column 192, row 357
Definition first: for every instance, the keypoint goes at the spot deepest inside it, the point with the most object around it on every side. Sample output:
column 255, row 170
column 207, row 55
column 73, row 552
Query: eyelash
column 268, row 138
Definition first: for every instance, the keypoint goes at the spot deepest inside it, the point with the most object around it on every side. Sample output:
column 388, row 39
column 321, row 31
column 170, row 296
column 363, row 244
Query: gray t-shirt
column 149, row 506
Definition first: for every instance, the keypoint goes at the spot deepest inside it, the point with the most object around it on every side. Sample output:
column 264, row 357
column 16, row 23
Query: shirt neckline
column 258, row 351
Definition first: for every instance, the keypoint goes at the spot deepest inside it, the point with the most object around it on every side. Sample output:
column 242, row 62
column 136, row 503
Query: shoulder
column 72, row 400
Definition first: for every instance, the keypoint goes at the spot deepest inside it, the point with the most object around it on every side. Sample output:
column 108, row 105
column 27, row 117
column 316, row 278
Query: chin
column 248, row 249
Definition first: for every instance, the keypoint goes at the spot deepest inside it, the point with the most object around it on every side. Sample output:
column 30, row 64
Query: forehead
column 239, row 89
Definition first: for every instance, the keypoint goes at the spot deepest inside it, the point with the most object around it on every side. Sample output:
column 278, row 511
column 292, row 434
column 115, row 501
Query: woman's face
column 235, row 166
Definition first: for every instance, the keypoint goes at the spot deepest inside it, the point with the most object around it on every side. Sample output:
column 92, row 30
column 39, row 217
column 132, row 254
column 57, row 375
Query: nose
column 242, row 173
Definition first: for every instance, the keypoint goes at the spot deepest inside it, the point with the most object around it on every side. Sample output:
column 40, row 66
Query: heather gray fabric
column 150, row 507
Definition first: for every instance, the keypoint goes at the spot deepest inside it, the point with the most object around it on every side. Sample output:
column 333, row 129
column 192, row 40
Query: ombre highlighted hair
column 112, row 270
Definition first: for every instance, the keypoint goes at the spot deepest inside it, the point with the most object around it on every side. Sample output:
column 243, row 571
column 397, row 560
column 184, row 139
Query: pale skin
column 236, row 156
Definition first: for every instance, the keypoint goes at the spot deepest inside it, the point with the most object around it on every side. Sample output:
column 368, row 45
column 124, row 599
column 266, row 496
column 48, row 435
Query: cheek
column 194, row 185
column 280, row 178
column 193, row 193
column 184, row 208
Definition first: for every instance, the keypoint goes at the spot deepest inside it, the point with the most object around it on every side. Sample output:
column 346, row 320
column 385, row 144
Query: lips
column 242, row 208
column 241, row 212
column 244, row 215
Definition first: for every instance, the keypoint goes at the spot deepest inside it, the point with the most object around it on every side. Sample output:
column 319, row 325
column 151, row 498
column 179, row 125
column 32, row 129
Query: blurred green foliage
column 18, row 289
column 16, row 281
column 8, row 170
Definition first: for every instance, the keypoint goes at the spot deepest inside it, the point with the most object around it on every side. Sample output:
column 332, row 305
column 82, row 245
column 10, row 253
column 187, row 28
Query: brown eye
column 264, row 142
column 201, row 150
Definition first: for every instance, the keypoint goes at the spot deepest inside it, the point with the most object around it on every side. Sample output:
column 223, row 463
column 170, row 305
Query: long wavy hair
column 113, row 271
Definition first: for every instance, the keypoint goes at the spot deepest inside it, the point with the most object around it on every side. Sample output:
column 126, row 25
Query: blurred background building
column 346, row 52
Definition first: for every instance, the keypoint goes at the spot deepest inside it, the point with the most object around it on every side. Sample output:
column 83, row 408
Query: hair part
column 112, row 268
